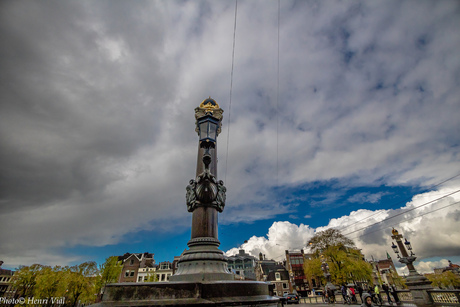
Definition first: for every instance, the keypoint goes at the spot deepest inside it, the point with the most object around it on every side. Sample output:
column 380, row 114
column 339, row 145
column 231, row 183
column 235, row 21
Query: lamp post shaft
column 205, row 198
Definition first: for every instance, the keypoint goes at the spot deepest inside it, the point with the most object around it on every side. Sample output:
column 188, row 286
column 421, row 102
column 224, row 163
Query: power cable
column 404, row 212
column 420, row 215
column 230, row 99
column 231, row 90
column 388, row 226
column 277, row 99
column 408, row 219
column 403, row 201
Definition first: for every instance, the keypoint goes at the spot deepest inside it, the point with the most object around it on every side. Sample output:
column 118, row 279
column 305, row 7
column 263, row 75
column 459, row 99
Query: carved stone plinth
column 419, row 286
column 223, row 293
column 202, row 262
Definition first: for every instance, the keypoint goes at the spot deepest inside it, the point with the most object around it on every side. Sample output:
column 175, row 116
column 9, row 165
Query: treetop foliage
column 80, row 283
column 323, row 240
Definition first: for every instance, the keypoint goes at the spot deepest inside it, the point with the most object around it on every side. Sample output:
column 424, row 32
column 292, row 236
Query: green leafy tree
column 345, row 261
column 312, row 269
column 397, row 280
column 80, row 282
column 49, row 283
column 435, row 280
column 445, row 280
column 76, row 283
column 110, row 271
column 152, row 277
column 25, row 279
column 452, row 279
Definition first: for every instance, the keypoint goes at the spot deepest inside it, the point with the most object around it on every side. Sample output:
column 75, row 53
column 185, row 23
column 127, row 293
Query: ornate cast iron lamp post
column 202, row 276
column 417, row 284
column 205, row 198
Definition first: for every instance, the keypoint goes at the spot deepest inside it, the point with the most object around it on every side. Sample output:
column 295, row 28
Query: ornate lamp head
column 207, row 126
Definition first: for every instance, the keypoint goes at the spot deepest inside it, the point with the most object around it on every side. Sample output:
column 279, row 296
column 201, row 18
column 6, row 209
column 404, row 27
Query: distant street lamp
column 325, row 268
column 417, row 284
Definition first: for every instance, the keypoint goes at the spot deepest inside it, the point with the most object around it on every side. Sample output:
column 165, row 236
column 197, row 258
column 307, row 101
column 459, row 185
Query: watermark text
column 32, row 301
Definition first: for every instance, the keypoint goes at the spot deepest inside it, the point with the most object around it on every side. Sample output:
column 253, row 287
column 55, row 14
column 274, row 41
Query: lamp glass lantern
column 208, row 126
column 407, row 243
column 395, row 248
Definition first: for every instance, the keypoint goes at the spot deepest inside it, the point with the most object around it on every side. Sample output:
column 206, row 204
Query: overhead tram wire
column 230, row 99
column 388, row 226
column 231, row 90
column 398, row 203
column 399, row 222
column 414, row 217
column 404, row 212
column 277, row 99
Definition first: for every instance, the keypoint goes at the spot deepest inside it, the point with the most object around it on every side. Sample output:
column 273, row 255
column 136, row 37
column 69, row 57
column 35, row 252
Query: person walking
column 367, row 300
column 353, row 295
column 394, row 293
column 377, row 294
column 331, row 295
column 349, row 296
column 360, row 291
column 387, row 292
column 344, row 293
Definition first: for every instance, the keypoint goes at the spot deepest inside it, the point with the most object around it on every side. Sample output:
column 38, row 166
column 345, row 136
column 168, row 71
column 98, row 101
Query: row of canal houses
column 287, row 276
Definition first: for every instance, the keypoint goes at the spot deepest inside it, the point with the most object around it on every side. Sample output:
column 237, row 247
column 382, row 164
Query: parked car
column 292, row 298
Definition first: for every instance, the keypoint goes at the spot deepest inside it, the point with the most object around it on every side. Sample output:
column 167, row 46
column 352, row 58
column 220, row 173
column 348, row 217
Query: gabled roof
column 271, row 267
column 145, row 257
column 241, row 256
column 284, row 275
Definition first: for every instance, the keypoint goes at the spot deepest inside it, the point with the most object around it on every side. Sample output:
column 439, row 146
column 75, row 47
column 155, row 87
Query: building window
column 131, row 262
column 277, row 276
column 285, row 286
column 127, row 273
column 165, row 266
column 139, row 279
column 131, row 274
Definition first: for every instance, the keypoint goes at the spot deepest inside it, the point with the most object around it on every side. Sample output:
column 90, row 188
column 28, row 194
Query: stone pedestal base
column 202, row 262
column 216, row 293
column 418, row 286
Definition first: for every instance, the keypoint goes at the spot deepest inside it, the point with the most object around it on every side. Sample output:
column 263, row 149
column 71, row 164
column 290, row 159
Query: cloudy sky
column 343, row 114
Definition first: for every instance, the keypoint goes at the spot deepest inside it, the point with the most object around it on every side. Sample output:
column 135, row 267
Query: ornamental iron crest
column 205, row 190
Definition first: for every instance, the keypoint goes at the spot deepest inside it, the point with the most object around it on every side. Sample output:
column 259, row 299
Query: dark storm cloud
column 80, row 89
column 96, row 108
